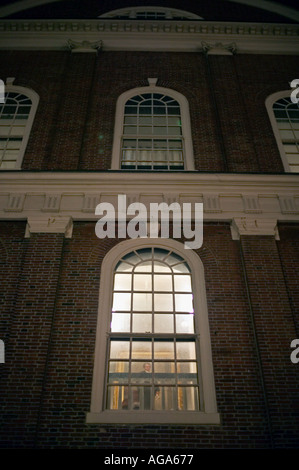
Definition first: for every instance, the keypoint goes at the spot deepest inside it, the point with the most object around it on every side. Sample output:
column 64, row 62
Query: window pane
column 118, row 372
column 163, row 302
column 117, row 398
column 184, row 303
column 141, row 372
column 184, row 323
column 119, row 349
column 166, row 399
column 162, row 283
column 120, row 322
column 141, row 398
column 121, row 301
column 141, row 350
column 163, row 323
column 142, row 302
column 143, row 282
column 187, row 372
column 142, row 323
column 185, row 350
column 182, row 283
column 188, row 398
column 164, row 350
column 122, row 281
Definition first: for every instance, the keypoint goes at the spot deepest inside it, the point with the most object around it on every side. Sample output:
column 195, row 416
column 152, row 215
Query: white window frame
column 269, row 105
column 185, row 117
column 98, row 414
column 35, row 100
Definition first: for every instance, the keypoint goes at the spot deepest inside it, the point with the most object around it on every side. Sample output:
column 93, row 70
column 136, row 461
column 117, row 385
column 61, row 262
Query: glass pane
column 181, row 268
column 182, row 283
column 187, row 372
column 185, row 350
column 120, row 322
column 161, row 267
column 142, row 302
column 166, row 399
column 118, row 372
column 184, row 303
column 164, row 372
column 162, row 283
column 142, row 323
column 141, row 349
column 163, row 323
column 119, row 349
column 184, row 323
column 121, row 301
column 122, row 282
column 141, row 398
column 164, row 350
column 163, row 303
column 143, row 282
column 117, row 398
column 145, row 267
column 121, row 266
column 145, row 253
column 141, row 372
column 188, row 398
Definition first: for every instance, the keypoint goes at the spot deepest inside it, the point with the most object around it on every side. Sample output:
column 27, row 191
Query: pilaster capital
column 46, row 224
column 253, row 226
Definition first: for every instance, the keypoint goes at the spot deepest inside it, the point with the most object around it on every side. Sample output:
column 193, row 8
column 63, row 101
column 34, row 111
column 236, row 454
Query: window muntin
column 287, row 118
column 152, row 358
column 152, row 133
column 14, row 115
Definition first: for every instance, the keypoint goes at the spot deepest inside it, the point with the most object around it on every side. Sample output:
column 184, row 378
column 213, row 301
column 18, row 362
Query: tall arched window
column 284, row 116
column 153, row 358
column 152, row 131
column 16, row 118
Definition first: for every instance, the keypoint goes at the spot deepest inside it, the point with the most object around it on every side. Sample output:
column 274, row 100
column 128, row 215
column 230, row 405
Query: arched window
column 284, row 116
column 152, row 131
column 16, row 118
column 153, row 358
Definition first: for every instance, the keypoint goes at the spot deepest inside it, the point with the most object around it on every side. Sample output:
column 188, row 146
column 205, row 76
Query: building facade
column 135, row 341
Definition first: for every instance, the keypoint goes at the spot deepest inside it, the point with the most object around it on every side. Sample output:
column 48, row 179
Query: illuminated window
column 153, row 369
column 16, row 117
column 284, row 116
column 152, row 131
column 150, row 13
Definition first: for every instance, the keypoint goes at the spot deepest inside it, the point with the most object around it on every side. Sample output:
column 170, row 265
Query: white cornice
column 34, row 195
column 120, row 35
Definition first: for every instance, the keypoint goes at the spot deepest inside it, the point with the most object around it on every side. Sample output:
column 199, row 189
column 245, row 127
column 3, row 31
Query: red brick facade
column 50, row 284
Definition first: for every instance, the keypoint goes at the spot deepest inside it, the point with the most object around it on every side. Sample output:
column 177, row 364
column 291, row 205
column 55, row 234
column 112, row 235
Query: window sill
column 152, row 417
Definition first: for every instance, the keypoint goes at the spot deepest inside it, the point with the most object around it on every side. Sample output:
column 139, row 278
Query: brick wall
column 74, row 124
column 46, row 387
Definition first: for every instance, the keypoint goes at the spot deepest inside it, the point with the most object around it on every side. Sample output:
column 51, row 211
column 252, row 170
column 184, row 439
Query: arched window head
column 155, row 335
column 150, row 13
column 152, row 131
column 284, row 116
column 16, row 118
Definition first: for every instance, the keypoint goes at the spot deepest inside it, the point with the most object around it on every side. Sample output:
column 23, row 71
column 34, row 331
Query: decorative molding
column 288, row 205
column 148, row 35
column 218, row 48
column 15, row 202
column 84, row 46
column 251, row 203
column 43, row 224
column 211, row 203
column 250, row 200
column 52, row 203
column 250, row 226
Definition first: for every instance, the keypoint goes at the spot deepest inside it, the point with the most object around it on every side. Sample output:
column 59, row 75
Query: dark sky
column 211, row 10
